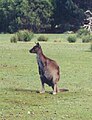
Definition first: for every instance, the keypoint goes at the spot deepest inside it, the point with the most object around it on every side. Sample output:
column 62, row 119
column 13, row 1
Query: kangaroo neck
column 41, row 56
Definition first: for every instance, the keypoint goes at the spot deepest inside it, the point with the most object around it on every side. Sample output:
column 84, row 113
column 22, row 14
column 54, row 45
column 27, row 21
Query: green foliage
column 91, row 46
column 13, row 39
column 87, row 38
column 42, row 38
column 39, row 15
column 23, row 35
column 84, row 4
column 71, row 39
column 24, row 14
column 42, row 15
column 67, row 15
column 41, row 12
column 82, row 33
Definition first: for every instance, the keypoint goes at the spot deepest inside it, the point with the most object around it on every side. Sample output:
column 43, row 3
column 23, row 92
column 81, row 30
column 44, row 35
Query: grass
column 19, row 81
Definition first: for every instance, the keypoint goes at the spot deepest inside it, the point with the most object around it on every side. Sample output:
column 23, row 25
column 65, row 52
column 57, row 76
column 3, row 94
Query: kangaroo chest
column 43, row 70
column 40, row 63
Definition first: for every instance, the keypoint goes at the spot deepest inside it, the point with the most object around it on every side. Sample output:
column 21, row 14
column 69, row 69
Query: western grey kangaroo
column 48, row 69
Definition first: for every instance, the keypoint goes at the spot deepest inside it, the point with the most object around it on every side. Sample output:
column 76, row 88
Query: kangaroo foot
column 54, row 93
column 42, row 92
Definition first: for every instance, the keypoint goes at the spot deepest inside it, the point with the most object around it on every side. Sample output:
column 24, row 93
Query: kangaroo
column 48, row 69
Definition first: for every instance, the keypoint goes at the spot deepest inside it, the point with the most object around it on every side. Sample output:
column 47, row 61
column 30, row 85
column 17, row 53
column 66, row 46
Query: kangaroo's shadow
column 23, row 90
column 27, row 90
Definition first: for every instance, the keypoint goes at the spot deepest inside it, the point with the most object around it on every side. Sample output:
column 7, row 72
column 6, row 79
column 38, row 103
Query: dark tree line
column 42, row 15
column 67, row 16
column 84, row 4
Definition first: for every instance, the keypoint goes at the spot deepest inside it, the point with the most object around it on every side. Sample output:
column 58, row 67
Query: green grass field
column 19, row 81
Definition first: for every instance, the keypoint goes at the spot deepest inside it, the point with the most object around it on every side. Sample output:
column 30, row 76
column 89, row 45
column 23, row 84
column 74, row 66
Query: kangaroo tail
column 63, row 90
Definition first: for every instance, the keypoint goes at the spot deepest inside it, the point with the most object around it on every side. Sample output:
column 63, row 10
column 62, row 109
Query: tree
column 67, row 15
column 25, row 14
column 40, row 15
column 84, row 4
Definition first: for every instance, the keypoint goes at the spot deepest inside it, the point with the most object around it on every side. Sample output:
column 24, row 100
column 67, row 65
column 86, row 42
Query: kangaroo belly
column 47, row 81
column 47, row 74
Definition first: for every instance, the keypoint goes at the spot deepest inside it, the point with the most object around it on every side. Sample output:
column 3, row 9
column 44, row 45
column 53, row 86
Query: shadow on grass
column 27, row 90
column 88, row 51
column 35, row 91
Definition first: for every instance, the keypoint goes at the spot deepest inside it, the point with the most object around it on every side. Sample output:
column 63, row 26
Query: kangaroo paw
column 42, row 92
column 54, row 93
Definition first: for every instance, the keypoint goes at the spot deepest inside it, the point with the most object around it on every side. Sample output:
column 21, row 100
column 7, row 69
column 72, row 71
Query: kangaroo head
column 36, row 49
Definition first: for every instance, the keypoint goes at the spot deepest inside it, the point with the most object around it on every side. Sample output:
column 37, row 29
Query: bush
column 91, row 46
column 42, row 38
column 82, row 32
column 24, row 35
column 71, row 39
column 14, row 39
column 87, row 39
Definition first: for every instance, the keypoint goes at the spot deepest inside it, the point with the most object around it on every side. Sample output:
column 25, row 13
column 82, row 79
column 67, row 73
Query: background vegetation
column 42, row 15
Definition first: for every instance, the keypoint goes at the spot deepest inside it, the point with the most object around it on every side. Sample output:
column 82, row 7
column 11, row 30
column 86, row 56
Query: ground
column 19, row 81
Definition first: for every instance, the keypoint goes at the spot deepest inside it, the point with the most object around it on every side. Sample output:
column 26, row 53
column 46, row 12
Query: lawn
column 19, row 81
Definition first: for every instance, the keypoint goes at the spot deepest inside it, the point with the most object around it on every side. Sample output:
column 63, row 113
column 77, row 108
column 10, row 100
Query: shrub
column 42, row 38
column 82, row 32
column 87, row 39
column 71, row 39
column 24, row 35
column 91, row 46
column 14, row 39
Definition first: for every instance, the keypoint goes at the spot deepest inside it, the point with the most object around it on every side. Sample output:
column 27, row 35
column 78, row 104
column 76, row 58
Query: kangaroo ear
column 38, row 44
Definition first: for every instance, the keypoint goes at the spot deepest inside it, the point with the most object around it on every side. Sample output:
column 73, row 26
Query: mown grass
column 19, row 82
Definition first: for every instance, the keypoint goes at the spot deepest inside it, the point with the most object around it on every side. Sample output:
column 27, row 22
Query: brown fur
column 48, row 69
